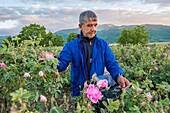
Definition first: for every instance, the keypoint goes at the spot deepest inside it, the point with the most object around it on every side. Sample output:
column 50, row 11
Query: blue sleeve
column 64, row 58
column 112, row 65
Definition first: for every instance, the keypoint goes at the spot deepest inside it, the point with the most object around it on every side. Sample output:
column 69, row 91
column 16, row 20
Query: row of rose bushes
column 147, row 68
column 22, row 70
column 27, row 84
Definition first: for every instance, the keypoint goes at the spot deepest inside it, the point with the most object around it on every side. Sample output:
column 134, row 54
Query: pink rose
column 156, row 68
column 143, row 103
column 149, row 96
column 41, row 73
column 12, row 109
column 89, row 106
column 148, row 48
column 140, row 78
column 102, row 83
column 49, row 55
column 46, row 55
column 93, row 93
column 140, row 90
column 26, row 75
column 3, row 65
column 43, row 98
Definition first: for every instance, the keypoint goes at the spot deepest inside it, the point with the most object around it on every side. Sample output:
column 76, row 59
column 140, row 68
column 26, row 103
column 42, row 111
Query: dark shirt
column 87, row 53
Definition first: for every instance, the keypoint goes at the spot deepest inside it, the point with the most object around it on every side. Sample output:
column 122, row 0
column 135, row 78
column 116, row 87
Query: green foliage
column 147, row 68
column 138, row 35
column 71, row 37
column 32, row 31
column 36, row 33
column 22, row 96
column 142, row 61
column 138, row 101
column 21, row 60
column 52, row 40
column 4, row 42
column 56, row 110
column 113, row 105
column 7, row 42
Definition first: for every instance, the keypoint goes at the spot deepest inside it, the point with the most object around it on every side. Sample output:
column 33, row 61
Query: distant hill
column 66, row 32
column 110, row 32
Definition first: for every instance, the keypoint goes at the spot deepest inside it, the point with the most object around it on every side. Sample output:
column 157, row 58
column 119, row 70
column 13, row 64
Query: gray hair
column 87, row 15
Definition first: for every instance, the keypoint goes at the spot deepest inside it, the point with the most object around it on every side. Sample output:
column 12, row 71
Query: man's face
column 89, row 29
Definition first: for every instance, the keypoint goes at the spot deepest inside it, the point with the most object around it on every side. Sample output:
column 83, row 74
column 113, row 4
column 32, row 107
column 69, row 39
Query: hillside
column 110, row 33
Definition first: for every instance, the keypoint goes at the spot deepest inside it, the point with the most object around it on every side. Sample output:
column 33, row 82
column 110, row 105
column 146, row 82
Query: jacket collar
column 87, row 39
column 96, row 45
column 80, row 37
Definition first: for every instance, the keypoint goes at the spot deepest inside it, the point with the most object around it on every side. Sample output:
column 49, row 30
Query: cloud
column 53, row 20
column 7, row 24
column 13, row 29
column 4, row 17
column 52, row 8
column 35, row 6
column 10, row 13
column 99, row 0
column 58, row 14
column 124, row 17
column 46, row 1
column 157, row 1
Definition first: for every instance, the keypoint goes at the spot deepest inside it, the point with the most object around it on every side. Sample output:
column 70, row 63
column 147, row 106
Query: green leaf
column 56, row 110
column 55, row 61
column 36, row 97
column 132, row 108
column 115, row 104
column 168, row 88
column 84, row 108
column 111, row 108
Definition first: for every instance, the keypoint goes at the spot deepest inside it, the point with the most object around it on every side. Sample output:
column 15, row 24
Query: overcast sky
column 63, row 14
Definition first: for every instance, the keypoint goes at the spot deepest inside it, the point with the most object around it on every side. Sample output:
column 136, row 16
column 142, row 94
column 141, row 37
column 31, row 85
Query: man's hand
column 123, row 82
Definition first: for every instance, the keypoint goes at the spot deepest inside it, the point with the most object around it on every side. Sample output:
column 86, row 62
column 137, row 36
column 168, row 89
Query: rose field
column 28, row 85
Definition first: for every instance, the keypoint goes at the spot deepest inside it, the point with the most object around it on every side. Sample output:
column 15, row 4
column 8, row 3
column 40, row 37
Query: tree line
column 137, row 35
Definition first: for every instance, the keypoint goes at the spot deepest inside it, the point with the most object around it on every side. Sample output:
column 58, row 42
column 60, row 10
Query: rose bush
column 147, row 67
column 94, row 97
column 22, row 68
column 23, row 79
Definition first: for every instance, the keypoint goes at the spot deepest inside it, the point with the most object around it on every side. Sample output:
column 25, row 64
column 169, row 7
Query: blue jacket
column 102, row 57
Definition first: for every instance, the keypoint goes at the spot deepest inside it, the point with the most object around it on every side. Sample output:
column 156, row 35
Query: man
column 88, row 54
